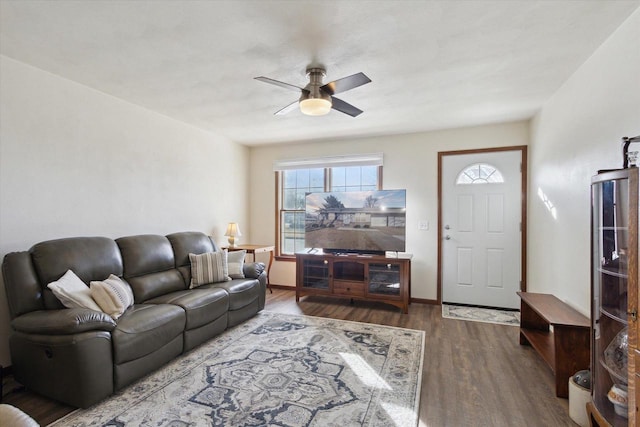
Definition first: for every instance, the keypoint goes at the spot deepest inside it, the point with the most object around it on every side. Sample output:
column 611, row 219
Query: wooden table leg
column 269, row 271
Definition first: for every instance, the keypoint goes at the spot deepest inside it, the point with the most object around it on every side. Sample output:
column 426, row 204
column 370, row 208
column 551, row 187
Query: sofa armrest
column 253, row 270
column 65, row 321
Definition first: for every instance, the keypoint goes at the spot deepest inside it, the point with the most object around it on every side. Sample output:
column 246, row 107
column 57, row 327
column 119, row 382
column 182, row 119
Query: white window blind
column 371, row 159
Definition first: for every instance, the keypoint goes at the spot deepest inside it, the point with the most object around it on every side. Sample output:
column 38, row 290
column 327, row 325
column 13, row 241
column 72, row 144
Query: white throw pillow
column 113, row 295
column 235, row 263
column 73, row 292
column 210, row 267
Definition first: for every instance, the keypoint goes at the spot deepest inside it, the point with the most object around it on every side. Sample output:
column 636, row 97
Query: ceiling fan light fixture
column 315, row 106
column 316, row 98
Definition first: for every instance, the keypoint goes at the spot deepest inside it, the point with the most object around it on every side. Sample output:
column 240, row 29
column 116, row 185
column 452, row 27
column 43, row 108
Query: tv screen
column 356, row 221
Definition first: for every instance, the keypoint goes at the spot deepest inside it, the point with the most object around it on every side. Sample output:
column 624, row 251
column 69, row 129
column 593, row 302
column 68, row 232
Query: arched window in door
column 479, row 173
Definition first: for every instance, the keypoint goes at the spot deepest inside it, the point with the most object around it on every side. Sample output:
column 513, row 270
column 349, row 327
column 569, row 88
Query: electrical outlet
column 423, row 225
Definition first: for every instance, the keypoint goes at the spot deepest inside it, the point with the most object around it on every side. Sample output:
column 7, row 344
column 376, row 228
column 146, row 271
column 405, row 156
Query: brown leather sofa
column 80, row 356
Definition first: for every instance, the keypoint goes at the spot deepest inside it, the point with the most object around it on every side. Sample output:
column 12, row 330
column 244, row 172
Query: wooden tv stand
column 365, row 277
column 566, row 348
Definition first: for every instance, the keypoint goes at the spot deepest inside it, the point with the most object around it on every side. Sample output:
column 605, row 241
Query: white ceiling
column 433, row 64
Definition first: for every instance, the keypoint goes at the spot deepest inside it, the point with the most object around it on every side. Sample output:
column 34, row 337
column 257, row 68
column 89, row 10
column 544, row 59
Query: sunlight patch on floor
column 400, row 415
column 365, row 373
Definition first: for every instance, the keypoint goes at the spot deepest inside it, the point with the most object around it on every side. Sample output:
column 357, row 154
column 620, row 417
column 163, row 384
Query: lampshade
column 233, row 230
column 315, row 106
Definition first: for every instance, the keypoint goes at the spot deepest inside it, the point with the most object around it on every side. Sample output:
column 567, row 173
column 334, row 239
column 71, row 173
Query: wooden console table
column 566, row 347
column 256, row 249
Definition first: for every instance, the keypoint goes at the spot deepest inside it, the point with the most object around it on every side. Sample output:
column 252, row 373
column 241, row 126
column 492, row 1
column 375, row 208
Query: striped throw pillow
column 113, row 295
column 210, row 267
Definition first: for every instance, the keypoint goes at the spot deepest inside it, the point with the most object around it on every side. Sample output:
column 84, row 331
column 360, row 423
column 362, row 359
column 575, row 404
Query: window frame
column 498, row 178
column 279, row 196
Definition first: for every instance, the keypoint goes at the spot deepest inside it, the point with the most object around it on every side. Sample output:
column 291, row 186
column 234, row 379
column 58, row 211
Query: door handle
column 446, row 227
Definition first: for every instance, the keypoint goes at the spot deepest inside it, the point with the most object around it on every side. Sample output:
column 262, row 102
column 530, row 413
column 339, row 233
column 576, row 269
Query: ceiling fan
column 316, row 99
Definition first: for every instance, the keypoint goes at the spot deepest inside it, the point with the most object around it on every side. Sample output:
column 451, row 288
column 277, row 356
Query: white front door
column 481, row 235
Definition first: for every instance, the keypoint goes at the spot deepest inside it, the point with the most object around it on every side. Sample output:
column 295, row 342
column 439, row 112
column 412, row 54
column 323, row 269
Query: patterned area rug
column 278, row 370
column 477, row 314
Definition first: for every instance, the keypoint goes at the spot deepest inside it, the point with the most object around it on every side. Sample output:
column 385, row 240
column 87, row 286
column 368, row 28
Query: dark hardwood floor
column 474, row 374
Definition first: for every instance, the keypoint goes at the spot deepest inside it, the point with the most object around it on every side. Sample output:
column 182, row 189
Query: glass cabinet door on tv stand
column 316, row 274
column 614, row 290
column 384, row 279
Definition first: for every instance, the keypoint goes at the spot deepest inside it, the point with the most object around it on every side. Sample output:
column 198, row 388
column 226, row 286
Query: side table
column 256, row 249
column 566, row 349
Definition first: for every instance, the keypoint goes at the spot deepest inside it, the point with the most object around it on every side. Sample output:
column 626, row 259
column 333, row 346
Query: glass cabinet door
column 384, row 279
column 316, row 273
column 610, row 341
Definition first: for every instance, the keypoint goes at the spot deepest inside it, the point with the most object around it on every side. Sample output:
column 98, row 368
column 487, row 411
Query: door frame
column 523, row 209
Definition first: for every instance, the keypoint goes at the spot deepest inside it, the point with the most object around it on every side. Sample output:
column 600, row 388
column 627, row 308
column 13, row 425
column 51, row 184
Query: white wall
column 410, row 162
column 578, row 132
column 77, row 162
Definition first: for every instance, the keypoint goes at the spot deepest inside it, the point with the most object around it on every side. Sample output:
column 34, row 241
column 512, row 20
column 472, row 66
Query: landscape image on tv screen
column 358, row 221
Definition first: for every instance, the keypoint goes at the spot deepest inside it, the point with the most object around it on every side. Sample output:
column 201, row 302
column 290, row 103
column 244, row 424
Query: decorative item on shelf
column 616, row 358
column 629, row 158
column 232, row 232
column 618, row 396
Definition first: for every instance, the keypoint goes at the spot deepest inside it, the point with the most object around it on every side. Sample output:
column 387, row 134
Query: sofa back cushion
column 90, row 258
column 189, row 242
column 149, row 266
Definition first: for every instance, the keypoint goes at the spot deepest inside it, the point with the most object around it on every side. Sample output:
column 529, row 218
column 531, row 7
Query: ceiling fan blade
column 278, row 83
column 344, row 107
column 346, row 83
column 286, row 109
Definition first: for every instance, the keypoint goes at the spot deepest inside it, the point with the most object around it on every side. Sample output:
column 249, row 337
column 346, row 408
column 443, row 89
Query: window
column 479, row 173
column 293, row 184
column 354, row 178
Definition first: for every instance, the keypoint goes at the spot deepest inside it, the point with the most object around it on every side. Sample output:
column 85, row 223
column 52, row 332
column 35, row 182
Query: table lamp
column 232, row 232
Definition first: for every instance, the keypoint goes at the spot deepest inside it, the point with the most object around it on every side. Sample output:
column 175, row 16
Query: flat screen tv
column 360, row 222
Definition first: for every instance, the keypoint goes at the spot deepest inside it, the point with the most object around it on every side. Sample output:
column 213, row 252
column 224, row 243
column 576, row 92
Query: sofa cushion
column 149, row 266
column 201, row 306
column 242, row 292
column 73, row 292
column 90, row 258
column 144, row 254
column 189, row 242
column 235, row 262
column 113, row 295
column 207, row 268
column 145, row 328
